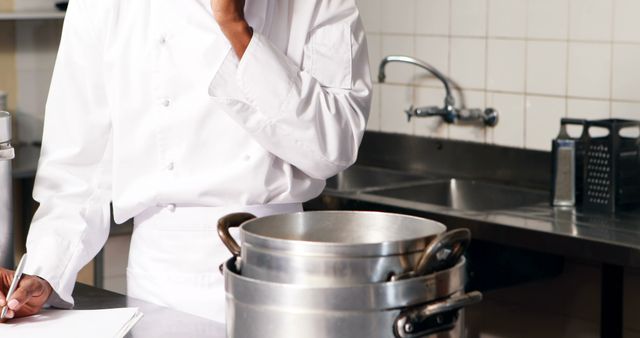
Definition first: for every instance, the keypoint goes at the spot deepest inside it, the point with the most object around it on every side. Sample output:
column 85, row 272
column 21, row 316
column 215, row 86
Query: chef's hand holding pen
column 230, row 17
column 28, row 299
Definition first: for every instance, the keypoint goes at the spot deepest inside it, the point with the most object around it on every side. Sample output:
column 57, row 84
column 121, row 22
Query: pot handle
column 232, row 221
column 432, row 318
column 444, row 251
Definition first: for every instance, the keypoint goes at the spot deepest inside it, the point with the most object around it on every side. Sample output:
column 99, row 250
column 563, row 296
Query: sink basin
column 467, row 195
column 358, row 178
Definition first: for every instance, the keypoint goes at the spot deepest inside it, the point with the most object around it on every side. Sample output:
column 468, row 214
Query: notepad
column 109, row 323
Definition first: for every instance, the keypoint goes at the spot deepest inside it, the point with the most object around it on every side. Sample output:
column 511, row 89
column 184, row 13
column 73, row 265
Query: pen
column 14, row 284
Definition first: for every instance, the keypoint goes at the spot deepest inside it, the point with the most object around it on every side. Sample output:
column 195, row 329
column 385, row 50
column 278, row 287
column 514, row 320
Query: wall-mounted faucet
column 448, row 112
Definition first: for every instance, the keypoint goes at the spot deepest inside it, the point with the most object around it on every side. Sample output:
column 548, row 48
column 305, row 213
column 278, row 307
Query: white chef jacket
column 149, row 106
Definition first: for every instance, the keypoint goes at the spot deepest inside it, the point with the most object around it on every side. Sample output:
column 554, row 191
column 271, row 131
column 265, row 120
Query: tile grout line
column 612, row 55
column 567, row 71
column 486, row 60
column 526, row 73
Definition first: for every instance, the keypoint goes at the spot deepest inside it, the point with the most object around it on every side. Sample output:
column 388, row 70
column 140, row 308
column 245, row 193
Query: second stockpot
column 429, row 306
column 339, row 247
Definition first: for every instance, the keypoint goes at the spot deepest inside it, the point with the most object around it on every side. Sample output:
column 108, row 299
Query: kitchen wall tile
column 548, row 19
column 626, row 26
column 371, row 13
column 469, row 18
column 589, row 69
column 507, row 18
column 398, row 16
column 468, row 62
column 432, row 17
column 588, row 109
column 394, row 100
column 469, row 131
column 374, row 115
column 626, row 72
column 430, row 126
column 590, row 20
column 374, row 42
column 506, row 65
column 625, row 110
column 510, row 129
column 394, row 45
column 542, row 118
column 547, row 67
column 434, row 51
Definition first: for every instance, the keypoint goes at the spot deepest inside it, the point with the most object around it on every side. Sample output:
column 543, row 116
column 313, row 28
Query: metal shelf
column 32, row 15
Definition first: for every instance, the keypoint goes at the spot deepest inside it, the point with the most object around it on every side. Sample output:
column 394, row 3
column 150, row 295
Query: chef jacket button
column 163, row 40
column 166, row 103
column 170, row 166
column 171, row 207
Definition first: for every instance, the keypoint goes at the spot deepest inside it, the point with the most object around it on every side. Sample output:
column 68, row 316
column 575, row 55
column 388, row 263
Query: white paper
column 110, row 323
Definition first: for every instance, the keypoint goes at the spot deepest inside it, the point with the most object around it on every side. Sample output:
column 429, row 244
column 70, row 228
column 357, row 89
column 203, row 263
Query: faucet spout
column 382, row 76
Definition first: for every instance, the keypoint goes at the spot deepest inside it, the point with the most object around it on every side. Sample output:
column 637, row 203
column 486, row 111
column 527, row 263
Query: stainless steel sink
column 467, row 195
column 361, row 178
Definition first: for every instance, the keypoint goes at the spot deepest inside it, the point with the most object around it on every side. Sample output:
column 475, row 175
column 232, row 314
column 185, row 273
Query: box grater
column 611, row 173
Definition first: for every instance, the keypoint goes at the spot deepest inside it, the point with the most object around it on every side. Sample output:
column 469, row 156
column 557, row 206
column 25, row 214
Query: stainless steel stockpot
column 329, row 247
column 6, row 206
column 425, row 306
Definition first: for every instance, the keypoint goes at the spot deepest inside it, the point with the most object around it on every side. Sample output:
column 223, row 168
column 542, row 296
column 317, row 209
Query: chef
column 179, row 112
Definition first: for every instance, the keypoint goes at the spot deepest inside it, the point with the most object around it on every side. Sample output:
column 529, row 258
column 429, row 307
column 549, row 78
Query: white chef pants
column 175, row 254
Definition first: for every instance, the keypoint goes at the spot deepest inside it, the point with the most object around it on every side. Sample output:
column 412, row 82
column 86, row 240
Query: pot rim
column 356, row 297
column 371, row 249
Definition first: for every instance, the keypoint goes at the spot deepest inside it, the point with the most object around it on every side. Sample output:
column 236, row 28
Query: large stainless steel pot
column 6, row 218
column 338, row 247
column 425, row 306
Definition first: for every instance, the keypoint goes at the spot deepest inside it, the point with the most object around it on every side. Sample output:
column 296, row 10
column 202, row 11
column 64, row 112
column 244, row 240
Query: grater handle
column 567, row 120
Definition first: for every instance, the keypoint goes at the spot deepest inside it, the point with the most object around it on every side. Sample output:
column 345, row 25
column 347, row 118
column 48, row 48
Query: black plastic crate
column 611, row 165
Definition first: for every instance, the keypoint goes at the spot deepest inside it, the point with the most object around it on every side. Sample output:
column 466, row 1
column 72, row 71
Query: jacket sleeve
column 312, row 115
column 73, row 180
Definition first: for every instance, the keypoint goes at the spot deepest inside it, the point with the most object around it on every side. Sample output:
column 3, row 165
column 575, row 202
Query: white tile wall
column 434, row 17
column 394, row 100
column 540, row 110
column 536, row 61
column 508, row 18
column 468, row 62
column 626, row 71
column 399, row 16
column 510, row 130
column 506, row 65
column 468, row 17
column 589, row 69
column 548, row 19
column 590, row 20
column 626, row 26
column 547, row 67
column 579, row 54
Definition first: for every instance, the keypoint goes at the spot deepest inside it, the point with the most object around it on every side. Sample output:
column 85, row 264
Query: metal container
column 425, row 306
column 335, row 247
column 6, row 192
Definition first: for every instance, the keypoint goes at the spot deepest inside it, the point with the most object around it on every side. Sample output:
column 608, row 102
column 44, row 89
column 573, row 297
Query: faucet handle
column 424, row 112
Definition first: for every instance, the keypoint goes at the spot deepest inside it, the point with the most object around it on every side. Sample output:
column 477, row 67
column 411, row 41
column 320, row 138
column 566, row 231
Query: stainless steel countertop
column 157, row 322
column 613, row 239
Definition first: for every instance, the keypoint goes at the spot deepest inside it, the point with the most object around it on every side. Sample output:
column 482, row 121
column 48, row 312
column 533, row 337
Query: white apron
column 175, row 254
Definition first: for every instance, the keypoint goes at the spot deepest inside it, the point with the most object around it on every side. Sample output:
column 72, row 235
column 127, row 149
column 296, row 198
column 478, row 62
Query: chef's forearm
column 239, row 34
